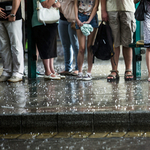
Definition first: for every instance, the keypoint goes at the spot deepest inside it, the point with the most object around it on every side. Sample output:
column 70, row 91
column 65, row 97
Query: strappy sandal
column 114, row 78
column 127, row 76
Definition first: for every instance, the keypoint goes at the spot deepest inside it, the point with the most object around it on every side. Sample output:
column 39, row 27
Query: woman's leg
column 81, row 39
column 74, row 43
column 65, row 40
column 148, row 60
column 90, row 42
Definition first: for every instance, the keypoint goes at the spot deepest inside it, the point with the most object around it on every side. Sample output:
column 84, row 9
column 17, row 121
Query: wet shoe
column 3, row 78
column 74, row 73
column 128, row 77
column 65, row 73
column 15, row 79
column 58, row 75
column 79, row 77
column 52, row 77
column 87, row 77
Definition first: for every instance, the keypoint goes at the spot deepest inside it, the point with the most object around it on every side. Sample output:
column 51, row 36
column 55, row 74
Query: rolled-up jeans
column 69, row 42
column 11, row 48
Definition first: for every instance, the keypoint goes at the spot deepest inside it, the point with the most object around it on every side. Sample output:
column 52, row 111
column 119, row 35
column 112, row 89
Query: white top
column 120, row 5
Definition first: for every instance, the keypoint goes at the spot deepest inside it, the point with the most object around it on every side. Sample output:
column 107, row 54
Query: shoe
column 113, row 77
column 58, row 75
column 74, row 73
column 53, row 78
column 79, row 77
column 3, row 78
column 38, row 73
column 87, row 77
column 14, row 79
column 127, row 77
column 65, row 73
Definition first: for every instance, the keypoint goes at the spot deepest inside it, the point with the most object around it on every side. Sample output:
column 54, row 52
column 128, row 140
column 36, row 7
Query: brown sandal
column 127, row 76
column 114, row 78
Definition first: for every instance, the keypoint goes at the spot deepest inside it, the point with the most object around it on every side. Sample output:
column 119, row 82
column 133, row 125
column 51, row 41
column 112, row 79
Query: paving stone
column 116, row 134
column 10, row 136
column 28, row 136
column 98, row 135
column 75, row 122
column 82, row 135
column 46, row 135
column 39, row 122
column 134, row 134
column 64, row 135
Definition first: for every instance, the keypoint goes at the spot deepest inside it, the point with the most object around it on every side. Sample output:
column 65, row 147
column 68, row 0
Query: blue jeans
column 69, row 42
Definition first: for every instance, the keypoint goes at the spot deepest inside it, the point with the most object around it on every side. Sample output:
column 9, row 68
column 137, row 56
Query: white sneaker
column 87, row 77
column 53, row 78
column 79, row 77
column 14, row 79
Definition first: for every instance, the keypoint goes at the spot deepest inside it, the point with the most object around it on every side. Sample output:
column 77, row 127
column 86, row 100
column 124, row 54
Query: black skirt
column 45, row 37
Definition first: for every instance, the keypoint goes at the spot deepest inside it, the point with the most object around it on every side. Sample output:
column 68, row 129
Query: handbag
column 141, row 10
column 103, row 45
column 7, row 6
column 67, row 9
column 47, row 15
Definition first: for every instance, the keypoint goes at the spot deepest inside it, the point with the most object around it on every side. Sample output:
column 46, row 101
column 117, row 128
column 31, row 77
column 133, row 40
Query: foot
column 79, row 76
column 61, row 76
column 3, row 78
column 74, row 73
column 65, row 73
column 52, row 76
column 15, row 79
column 128, row 75
column 87, row 77
column 113, row 76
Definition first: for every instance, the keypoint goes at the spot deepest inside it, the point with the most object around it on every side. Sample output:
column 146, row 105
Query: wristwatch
column 12, row 15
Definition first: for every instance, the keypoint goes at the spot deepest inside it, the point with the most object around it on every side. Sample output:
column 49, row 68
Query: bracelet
column 56, row 1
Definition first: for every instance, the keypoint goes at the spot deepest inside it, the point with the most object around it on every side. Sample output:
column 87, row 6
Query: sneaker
column 51, row 77
column 79, row 77
column 15, row 79
column 3, row 78
column 87, row 77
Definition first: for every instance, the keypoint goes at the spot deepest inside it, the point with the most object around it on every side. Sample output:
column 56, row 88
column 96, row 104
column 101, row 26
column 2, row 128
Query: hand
column 2, row 14
column 79, row 23
column 86, row 22
column 11, row 19
column 56, row 5
column 104, row 16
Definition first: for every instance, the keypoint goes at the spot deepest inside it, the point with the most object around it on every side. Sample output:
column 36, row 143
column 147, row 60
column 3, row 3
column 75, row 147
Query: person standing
column 69, row 42
column 86, row 13
column 11, row 47
column 120, row 14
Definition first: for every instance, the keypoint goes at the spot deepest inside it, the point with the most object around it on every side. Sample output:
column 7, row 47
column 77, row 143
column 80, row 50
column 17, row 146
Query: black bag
column 141, row 10
column 8, row 7
column 103, row 46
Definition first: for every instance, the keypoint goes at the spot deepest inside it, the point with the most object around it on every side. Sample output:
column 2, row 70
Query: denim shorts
column 82, row 18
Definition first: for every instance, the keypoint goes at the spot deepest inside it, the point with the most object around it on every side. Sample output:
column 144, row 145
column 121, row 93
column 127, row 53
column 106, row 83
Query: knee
column 81, row 50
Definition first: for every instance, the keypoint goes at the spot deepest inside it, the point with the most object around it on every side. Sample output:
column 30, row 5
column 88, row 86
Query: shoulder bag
column 67, row 9
column 45, row 15
column 141, row 10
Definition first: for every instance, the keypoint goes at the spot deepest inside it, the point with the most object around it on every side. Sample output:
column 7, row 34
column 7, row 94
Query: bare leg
column 115, row 64
column 51, row 65
column 90, row 54
column 80, row 59
column 148, row 60
column 127, row 53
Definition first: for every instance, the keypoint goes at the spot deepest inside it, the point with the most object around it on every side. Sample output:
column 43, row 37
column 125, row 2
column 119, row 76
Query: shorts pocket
column 133, row 26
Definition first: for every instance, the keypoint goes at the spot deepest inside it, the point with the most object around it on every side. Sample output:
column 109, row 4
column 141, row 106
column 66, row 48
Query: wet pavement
column 68, row 104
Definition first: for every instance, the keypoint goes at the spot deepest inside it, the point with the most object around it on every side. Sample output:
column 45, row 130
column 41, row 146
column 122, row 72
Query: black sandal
column 114, row 78
column 127, row 76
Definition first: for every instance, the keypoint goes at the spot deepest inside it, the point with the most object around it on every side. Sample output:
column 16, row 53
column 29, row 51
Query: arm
column 2, row 14
column 49, row 3
column 15, row 6
column 76, row 13
column 103, row 10
column 136, row 1
column 93, row 13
